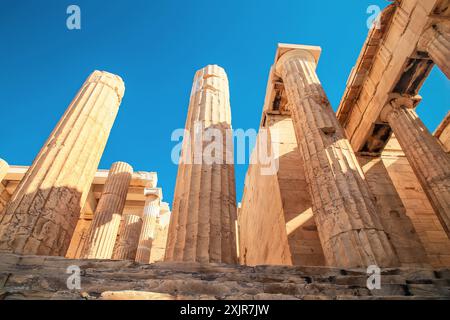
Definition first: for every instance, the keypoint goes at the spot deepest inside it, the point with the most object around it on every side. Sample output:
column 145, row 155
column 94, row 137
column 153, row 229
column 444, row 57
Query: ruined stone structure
column 366, row 185
column 375, row 170
column 125, row 238
column 42, row 213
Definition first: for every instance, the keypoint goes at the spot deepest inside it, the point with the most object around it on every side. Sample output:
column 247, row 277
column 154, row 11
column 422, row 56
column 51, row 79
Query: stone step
column 40, row 277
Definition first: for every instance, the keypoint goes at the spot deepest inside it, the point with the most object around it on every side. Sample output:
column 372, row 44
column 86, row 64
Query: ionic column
column 436, row 42
column 430, row 162
column 346, row 217
column 103, row 231
column 204, row 207
column 161, row 231
column 44, row 209
column 151, row 213
column 4, row 167
column 127, row 243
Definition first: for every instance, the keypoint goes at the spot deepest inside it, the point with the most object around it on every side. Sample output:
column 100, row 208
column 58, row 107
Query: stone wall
column 40, row 277
column 79, row 237
column 394, row 218
column 160, row 241
column 263, row 240
column 418, row 208
column 287, row 211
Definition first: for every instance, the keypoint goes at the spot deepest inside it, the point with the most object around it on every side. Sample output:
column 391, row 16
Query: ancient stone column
column 103, row 231
column 346, row 217
column 151, row 213
column 430, row 162
column 162, row 227
column 129, row 232
column 4, row 167
column 204, row 208
column 4, row 196
column 436, row 42
column 44, row 209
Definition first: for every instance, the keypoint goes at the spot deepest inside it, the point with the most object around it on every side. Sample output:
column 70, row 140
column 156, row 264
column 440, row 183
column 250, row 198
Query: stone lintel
column 153, row 192
column 139, row 178
column 283, row 48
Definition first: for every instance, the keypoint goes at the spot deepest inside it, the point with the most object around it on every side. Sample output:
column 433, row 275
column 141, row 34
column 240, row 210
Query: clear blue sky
column 156, row 46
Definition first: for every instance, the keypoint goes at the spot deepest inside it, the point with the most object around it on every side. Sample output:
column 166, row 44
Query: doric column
column 129, row 232
column 346, row 217
column 427, row 157
column 44, row 209
column 103, row 231
column 4, row 166
column 204, row 207
column 436, row 42
column 151, row 213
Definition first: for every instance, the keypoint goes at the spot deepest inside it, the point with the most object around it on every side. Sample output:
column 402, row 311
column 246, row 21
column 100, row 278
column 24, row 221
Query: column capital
column 286, row 52
column 153, row 193
column 397, row 100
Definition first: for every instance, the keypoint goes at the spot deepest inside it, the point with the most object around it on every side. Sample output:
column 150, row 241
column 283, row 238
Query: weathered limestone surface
column 105, row 226
column 4, row 166
column 443, row 132
column 202, row 227
column 427, row 157
column 127, row 244
column 418, row 207
column 280, row 228
column 436, row 42
column 4, row 196
column 39, row 277
column 80, row 237
column 347, row 220
column 43, row 211
column 149, row 218
column 161, row 231
column 262, row 227
column 393, row 217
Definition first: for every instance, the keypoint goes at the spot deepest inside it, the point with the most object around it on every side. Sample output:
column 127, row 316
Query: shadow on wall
column 276, row 222
column 41, row 222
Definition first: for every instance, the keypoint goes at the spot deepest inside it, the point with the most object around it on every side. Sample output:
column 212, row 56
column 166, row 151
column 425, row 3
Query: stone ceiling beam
column 390, row 61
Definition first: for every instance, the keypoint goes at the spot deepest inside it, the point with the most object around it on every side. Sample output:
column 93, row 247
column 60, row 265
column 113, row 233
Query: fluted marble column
column 346, row 217
column 44, row 209
column 104, row 228
column 4, row 166
column 430, row 162
column 204, row 207
column 151, row 213
column 127, row 243
column 436, row 42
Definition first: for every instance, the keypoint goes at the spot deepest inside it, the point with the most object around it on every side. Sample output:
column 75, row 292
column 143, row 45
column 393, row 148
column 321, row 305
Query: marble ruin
column 366, row 185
